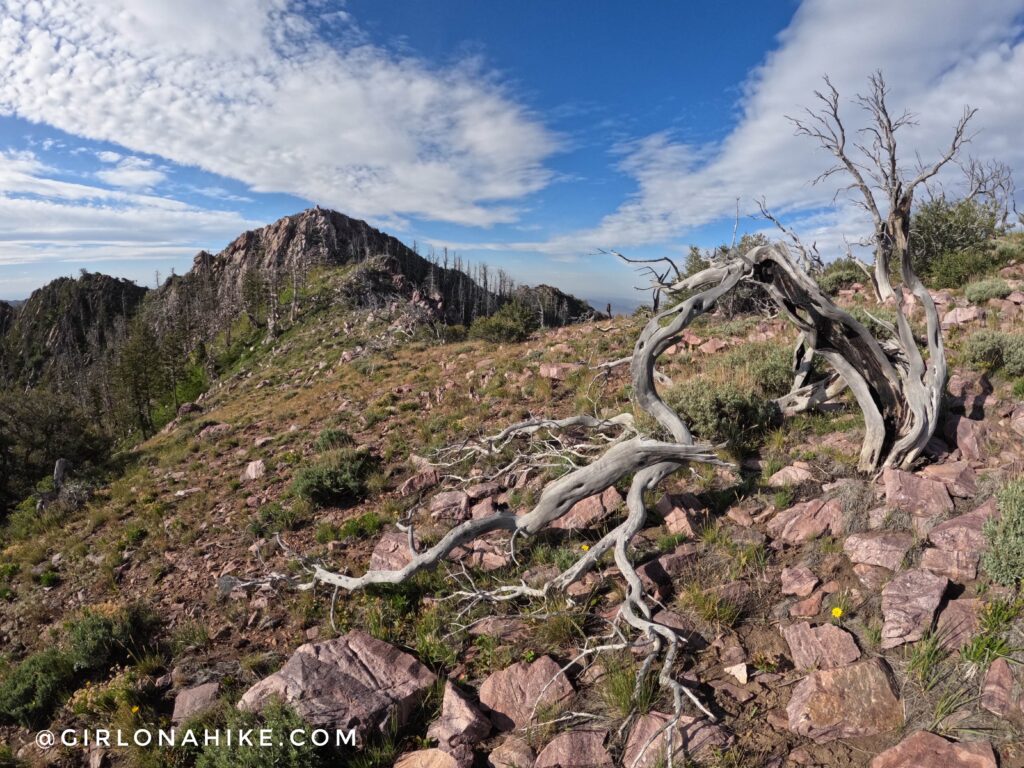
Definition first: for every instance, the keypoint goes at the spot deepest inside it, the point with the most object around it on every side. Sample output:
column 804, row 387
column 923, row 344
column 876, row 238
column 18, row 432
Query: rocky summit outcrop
column 846, row 702
column 354, row 681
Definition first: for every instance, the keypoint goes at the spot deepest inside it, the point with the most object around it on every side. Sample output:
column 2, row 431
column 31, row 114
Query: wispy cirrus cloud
column 249, row 89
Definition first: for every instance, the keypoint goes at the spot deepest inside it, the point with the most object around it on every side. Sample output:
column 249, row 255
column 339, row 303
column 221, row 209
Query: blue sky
column 530, row 135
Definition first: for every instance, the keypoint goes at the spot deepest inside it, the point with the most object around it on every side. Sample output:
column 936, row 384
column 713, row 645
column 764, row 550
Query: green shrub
column 942, row 228
column 276, row 517
column 840, row 274
column 513, row 322
column 956, row 268
column 363, row 526
column 99, row 639
column 772, row 369
column 280, row 753
column 995, row 350
column 1003, row 561
column 983, row 290
column 723, row 412
column 332, row 438
column 32, row 690
column 338, row 477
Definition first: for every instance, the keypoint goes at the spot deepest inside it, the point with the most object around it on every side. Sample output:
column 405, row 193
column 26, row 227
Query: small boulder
column 957, row 566
column 962, row 316
column 794, row 474
column 798, row 580
column 421, row 481
column 846, row 702
column 806, row 521
column 909, row 603
column 959, row 477
column 924, row 499
column 693, row 738
column 353, row 681
column 513, row 696
column 873, row 577
column 558, row 371
column 882, row 548
column 576, row 749
column 965, row 532
column 824, row 647
column 254, row 470
column 193, row 701
column 997, row 691
column 923, row 749
column 427, row 758
column 589, row 512
column 460, row 725
column 958, row 622
column 392, row 551
column 513, row 752
column 450, row 505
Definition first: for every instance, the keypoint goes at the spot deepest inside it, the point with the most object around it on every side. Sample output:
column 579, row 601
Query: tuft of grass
column 625, row 691
column 711, row 607
column 924, row 661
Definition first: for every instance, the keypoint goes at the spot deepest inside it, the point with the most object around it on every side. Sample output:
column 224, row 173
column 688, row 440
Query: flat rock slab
column 806, row 521
column 576, row 749
column 845, row 703
column 515, row 695
column 959, row 622
column 964, row 533
column 194, row 700
column 923, row 749
column 589, row 512
column 997, row 691
column 513, row 752
column 794, row 474
column 798, row 580
column 824, row 647
column 882, row 548
column 958, row 476
column 909, row 603
column 693, row 738
column 922, row 498
column 391, row 552
column 354, row 681
column 955, row 565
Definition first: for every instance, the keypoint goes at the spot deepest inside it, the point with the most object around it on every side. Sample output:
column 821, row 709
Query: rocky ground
column 830, row 618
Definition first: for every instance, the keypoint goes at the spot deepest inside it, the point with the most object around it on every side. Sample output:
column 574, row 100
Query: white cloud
column 44, row 218
column 132, row 173
column 108, row 157
column 246, row 89
column 938, row 55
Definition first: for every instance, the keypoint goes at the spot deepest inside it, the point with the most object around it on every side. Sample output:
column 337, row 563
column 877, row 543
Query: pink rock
column 799, row 581
column 809, row 608
column 794, row 474
column 925, row 750
column 970, row 439
column 693, row 738
column 589, row 512
column 823, row 647
column 421, row 481
column 1016, row 297
column 872, row 576
column 922, row 498
column 487, row 554
column 845, row 703
column 658, row 575
column 882, row 548
column 428, row 758
column 483, row 508
column 958, row 622
column 460, row 725
column 482, row 491
column 806, row 521
column 681, row 513
column 558, row 371
column 450, row 505
column 505, row 629
column 576, row 749
column 962, row 316
column 513, row 696
column 392, row 551
column 958, row 476
column 965, row 532
column 513, row 752
column 711, row 346
column 997, row 691
column 909, row 603
column 353, row 681
column 955, row 565
column 193, row 701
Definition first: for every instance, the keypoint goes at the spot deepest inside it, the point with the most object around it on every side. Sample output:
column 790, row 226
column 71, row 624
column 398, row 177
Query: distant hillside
column 65, row 325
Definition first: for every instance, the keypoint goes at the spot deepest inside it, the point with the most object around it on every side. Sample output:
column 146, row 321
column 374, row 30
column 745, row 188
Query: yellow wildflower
column 135, row 709
column 837, row 612
column 585, row 547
